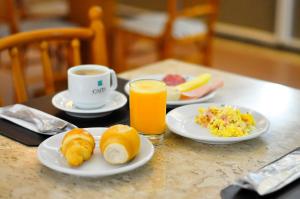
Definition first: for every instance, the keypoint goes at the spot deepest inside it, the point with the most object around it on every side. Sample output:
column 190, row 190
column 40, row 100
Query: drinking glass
column 148, row 99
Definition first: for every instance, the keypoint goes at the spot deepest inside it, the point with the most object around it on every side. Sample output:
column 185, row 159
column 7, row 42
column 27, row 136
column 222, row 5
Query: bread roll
column 119, row 144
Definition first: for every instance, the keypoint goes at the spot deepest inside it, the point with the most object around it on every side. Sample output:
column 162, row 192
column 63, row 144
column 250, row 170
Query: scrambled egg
column 225, row 121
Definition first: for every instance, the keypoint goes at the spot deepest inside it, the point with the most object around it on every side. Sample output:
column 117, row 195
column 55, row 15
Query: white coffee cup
column 91, row 90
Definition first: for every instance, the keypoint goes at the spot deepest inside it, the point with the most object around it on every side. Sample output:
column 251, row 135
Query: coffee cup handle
column 114, row 83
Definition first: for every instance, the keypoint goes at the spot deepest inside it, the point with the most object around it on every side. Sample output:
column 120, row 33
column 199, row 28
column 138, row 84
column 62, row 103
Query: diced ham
column 173, row 80
column 203, row 90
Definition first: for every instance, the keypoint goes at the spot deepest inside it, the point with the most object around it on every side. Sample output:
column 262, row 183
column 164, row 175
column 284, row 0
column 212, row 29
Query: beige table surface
column 180, row 168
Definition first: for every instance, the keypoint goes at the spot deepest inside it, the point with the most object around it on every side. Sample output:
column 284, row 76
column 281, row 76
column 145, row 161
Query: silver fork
column 49, row 126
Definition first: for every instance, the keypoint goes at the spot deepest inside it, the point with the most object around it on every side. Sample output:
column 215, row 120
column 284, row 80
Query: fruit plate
column 178, row 102
column 181, row 121
column 49, row 155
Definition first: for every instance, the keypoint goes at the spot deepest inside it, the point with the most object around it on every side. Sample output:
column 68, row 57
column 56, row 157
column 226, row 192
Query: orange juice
column 148, row 100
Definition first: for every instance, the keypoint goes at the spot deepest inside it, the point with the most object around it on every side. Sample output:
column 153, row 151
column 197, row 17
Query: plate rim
column 81, row 173
column 220, row 140
column 89, row 111
column 172, row 102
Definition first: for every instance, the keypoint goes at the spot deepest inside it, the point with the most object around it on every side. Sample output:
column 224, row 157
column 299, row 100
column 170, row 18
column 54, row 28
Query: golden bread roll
column 77, row 146
column 119, row 144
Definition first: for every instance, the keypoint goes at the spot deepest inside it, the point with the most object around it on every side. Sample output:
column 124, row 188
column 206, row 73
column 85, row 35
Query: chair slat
column 18, row 77
column 11, row 15
column 75, row 45
column 47, row 68
column 98, row 45
column 198, row 11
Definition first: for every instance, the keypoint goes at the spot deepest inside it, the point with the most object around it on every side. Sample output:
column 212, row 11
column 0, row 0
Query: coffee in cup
column 88, row 72
column 91, row 85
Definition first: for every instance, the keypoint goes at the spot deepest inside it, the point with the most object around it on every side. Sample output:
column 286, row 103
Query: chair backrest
column 192, row 8
column 95, row 35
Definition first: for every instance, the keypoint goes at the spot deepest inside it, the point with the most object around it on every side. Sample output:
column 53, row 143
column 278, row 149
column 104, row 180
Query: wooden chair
column 179, row 25
column 94, row 35
column 16, row 18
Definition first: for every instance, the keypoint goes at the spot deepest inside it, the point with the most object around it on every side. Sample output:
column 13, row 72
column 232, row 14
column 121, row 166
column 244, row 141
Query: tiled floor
column 246, row 59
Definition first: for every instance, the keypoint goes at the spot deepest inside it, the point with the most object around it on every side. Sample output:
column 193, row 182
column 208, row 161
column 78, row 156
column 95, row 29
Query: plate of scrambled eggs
column 217, row 123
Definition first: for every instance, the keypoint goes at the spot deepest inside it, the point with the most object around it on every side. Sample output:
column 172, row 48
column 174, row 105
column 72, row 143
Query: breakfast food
column 173, row 94
column 180, row 88
column 77, row 146
column 225, row 121
column 173, row 79
column 119, row 144
column 194, row 83
column 201, row 91
column 192, row 89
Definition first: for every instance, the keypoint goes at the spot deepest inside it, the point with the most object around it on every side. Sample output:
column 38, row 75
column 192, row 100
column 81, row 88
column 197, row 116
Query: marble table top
column 180, row 168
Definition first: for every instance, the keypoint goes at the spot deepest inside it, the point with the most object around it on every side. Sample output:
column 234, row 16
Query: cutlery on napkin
column 274, row 176
column 35, row 120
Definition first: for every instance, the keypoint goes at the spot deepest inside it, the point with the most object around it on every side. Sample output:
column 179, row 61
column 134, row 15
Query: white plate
column 50, row 156
column 181, row 121
column 179, row 102
column 63, row 102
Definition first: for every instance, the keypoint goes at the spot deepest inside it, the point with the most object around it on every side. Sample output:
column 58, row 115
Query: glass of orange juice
column 147, row 101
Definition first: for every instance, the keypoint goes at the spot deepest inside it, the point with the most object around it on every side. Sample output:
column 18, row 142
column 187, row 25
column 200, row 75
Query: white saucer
column 63, row 102
column 178, row 102
column 49, row 154
column 181, row 121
